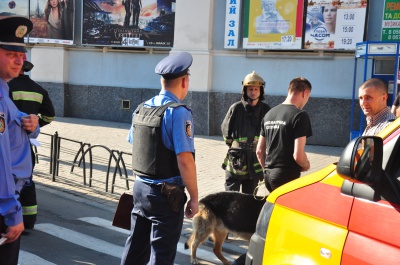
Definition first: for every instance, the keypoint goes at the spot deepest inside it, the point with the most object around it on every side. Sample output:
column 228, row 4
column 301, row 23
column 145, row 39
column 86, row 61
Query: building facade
column 107, row 83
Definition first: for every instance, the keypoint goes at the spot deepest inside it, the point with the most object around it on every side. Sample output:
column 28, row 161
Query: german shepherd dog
column 220, row 213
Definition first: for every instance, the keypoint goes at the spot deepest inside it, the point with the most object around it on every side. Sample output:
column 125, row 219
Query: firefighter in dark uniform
column 31, row 98
column 163, row 162
column 241, row 129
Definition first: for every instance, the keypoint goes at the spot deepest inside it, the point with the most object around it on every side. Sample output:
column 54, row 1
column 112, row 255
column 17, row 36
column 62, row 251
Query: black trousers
column 233, row 184
column 155, row 229
column 29, row 205
column 28, row 200
column 276, row 177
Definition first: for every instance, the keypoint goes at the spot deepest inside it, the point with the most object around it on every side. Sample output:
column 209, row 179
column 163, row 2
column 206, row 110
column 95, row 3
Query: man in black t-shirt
column 282, row 141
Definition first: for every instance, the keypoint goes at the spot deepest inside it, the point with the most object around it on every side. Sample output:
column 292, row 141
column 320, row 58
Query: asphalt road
column 74, row 230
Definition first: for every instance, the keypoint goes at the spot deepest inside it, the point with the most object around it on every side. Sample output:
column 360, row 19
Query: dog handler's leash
column 260, row 184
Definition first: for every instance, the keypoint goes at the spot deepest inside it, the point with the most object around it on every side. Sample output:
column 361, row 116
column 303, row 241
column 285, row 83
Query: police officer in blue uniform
column 15, row 154
column 163, row 162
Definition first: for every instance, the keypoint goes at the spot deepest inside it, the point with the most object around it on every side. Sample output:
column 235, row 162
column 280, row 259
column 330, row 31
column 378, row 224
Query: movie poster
column 273, row 24
column 53, row 21
column 128, row 23
column 334, row 25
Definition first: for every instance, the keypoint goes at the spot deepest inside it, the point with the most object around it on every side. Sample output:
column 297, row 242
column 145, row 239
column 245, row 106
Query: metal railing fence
column 83, row 163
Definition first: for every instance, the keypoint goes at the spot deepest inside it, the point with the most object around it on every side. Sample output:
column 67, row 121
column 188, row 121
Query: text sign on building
column 391, row 21
column 232, row 22
column 332, row 24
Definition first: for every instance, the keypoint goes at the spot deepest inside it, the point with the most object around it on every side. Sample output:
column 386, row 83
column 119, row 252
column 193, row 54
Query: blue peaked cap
column 174, row 65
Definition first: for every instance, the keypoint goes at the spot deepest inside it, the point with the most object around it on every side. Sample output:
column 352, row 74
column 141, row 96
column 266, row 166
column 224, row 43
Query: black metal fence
column 95, row 166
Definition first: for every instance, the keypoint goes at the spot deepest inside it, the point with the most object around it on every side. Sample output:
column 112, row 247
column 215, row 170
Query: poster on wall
column 273, row 24
column 391, row 21
column 334, row 25
column 128, row 23
column 53, row 21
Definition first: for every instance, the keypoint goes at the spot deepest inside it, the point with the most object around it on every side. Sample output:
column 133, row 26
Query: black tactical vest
column 150, row 158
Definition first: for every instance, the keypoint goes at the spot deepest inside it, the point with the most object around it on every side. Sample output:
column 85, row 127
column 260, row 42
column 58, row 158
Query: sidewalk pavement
column 210, row 153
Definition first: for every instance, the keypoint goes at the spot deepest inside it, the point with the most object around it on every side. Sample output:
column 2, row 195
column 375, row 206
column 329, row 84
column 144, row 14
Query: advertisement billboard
column 391, row 21
column 334, row 25
column 53, row 21
column 128, row 23
column 273, row 24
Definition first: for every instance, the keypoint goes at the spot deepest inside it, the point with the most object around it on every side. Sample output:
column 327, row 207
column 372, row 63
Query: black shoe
column 240, row 261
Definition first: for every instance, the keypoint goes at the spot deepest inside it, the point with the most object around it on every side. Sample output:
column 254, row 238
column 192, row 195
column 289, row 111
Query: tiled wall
column 330, row 117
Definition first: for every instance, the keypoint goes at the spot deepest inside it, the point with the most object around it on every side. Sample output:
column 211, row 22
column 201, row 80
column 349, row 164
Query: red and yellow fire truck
column 347, row 213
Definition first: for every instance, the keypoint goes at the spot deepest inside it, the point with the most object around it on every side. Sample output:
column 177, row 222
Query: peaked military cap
column 174, row 65
column 12, row 32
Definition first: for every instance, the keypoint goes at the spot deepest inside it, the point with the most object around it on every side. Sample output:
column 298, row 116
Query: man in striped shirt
column 373, row 95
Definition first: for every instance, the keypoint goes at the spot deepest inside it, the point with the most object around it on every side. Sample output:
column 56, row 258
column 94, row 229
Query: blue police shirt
column 13, row 168
column 176, row 131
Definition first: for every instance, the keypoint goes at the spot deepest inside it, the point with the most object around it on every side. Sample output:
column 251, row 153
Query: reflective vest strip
column 46, row 118
column 29, row 210
column 27, row 96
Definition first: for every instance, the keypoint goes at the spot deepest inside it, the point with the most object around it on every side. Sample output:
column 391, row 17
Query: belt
column 245, row 146
column 153, row 185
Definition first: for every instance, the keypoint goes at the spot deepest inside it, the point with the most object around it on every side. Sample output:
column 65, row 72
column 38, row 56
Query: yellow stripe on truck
column 301, row 182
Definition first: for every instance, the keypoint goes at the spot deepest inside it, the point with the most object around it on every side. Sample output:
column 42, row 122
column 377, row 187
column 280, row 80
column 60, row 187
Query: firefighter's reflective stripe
column 47, row 119
column 28, row 96
column 29, row 210
column 257, row 167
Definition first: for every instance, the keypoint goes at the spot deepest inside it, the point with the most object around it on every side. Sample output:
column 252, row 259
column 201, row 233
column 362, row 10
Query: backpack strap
column 156, row 114
column 161, row 110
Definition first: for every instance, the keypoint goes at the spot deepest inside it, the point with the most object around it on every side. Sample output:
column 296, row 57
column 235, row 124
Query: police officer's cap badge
column 2, row 123
column 188, row 128
column 21, row 31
